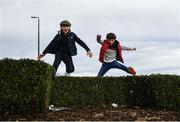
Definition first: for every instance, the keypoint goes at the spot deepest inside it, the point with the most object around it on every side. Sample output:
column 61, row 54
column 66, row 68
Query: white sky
column 152, row 26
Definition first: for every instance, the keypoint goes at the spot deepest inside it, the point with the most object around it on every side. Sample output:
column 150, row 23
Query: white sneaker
column 67, row 74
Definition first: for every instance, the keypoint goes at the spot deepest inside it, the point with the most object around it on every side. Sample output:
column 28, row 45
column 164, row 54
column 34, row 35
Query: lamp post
column 38, row 33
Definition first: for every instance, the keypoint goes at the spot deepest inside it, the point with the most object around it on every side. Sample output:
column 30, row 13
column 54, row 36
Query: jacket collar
column 60, row 32
column 115, row 42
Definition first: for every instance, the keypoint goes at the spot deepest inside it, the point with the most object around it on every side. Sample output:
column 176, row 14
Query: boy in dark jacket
column 63, row 46
column 111, row 53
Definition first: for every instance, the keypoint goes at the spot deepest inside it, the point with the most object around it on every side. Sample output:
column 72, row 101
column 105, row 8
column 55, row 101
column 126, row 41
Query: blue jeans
column 114, row 64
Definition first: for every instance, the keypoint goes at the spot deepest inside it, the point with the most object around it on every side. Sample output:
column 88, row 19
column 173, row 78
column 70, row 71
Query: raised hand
column 98, row 37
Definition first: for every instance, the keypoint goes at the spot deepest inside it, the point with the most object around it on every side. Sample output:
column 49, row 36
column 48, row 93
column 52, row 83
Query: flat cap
column 65, row 23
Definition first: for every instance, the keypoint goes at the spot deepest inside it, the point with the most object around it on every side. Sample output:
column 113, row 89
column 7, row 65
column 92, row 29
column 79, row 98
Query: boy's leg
column 104, row 68
column 118, row 65
column 57, row 61
column 67, row 59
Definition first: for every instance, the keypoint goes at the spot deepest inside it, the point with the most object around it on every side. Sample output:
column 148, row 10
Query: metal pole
column 38, row 33
column 38, row 36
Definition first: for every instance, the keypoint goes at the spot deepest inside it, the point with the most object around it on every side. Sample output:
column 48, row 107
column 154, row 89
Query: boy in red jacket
column 111, row 53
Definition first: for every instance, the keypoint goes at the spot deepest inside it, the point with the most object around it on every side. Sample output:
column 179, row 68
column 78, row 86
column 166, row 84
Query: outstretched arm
column 128, row 48
column 82, row 44
column 49, row 48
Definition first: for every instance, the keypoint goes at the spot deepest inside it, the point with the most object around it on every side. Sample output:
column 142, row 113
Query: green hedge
column 25, row 85
column 159, row 91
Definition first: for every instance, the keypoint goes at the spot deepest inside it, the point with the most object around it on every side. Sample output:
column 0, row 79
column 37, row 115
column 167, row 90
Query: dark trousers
column 114, row 64
column 66, row 58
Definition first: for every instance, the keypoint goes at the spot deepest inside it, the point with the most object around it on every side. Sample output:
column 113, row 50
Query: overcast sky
column 152, row 26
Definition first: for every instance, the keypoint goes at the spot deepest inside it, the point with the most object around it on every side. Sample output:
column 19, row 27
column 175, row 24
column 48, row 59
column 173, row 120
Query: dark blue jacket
column 52, row 48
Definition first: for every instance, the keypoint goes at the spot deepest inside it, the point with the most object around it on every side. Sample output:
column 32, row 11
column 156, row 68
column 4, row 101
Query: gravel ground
column 99, row 114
